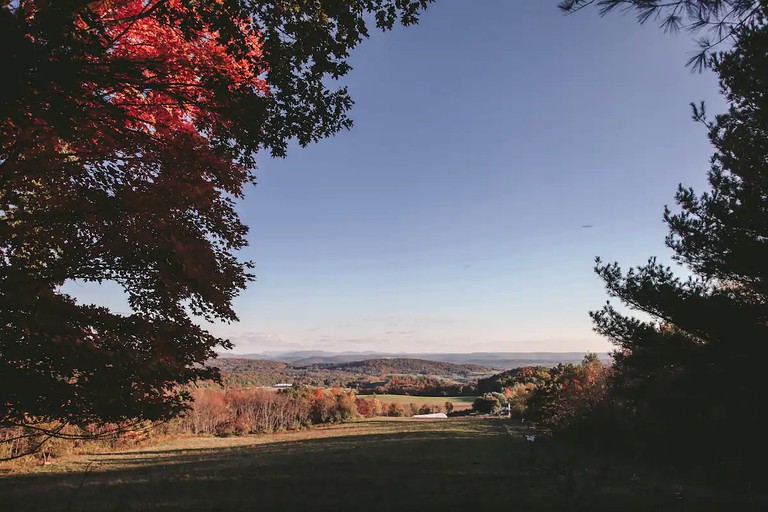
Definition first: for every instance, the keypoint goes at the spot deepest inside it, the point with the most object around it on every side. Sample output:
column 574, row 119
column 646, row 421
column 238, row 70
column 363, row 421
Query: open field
column 459, row 402
column 373, row 465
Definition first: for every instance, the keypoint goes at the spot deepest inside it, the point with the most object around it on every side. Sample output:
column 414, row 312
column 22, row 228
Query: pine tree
column 690, row 377
column 714, row 22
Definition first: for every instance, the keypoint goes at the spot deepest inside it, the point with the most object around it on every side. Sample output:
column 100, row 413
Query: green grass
column 373, row 465
column 459, row 402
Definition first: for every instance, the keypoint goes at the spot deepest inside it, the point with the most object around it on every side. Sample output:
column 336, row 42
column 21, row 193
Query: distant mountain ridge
column 495, row 360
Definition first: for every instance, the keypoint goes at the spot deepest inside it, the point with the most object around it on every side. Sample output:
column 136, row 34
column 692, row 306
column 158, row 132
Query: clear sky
column 450, row 218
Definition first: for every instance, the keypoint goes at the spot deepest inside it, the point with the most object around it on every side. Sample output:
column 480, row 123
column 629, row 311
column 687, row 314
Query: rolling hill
column 495, row 360
column 356, row 374
column 407, row 366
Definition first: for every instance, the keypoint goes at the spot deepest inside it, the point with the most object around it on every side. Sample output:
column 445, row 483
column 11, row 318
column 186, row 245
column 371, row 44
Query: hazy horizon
column 375, row 352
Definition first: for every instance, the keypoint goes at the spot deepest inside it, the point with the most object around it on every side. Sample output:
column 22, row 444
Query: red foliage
column 153, row 81
column 120, row 155
column 128, row 128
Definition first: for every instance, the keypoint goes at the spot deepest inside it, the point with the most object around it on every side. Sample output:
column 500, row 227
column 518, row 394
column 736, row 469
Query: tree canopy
column 128, row 129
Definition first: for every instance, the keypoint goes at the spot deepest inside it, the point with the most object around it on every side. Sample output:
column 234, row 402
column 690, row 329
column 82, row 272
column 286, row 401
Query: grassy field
column 373, row 465
column 459, row 402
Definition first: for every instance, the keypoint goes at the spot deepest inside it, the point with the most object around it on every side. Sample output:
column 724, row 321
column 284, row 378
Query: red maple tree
column 128, row 129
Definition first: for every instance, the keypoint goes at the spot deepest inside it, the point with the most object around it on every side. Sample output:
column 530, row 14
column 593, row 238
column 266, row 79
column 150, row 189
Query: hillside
column 240, row 365
column 253, row 372
column 407, row 366
column 495, row 360
column 382, row 375
column 522, row 375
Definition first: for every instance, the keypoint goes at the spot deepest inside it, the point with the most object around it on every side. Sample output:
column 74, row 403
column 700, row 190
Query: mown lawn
column 374, row 465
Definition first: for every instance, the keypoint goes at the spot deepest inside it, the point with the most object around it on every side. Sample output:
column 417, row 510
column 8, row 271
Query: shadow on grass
column 426, row 466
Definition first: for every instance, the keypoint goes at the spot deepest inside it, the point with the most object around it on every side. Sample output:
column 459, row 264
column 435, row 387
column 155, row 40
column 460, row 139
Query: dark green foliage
column 421, row 386
column 252, row 372
column 406, row 366
column 691, row 376
column 489, row 403
column 507, row 379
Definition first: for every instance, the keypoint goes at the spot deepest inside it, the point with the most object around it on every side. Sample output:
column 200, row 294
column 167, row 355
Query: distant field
column 374, row 465
column 459, row 402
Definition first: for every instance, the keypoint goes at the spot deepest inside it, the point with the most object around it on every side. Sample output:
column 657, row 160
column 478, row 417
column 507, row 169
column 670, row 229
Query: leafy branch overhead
column 715, row 22
column 128, row 129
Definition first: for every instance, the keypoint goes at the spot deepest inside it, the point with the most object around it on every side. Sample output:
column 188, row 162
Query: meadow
column 459, row 402
column 373, row 465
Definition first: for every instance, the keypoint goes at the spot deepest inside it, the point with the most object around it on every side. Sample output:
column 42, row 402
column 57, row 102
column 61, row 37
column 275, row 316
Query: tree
column 395, row 409
column 128, row 128
column 691, row 375
column 489, row 403
column 518, row 396
column 369, row 407
column 569, row 394
column 346, row 406
column 720, row 20
column 448, row 407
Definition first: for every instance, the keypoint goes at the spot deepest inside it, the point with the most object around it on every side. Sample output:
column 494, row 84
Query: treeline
column 420, row 386
column 407, row 366
column 372, row 407
column 213, row 411
column 256, row 411
column 259, row 411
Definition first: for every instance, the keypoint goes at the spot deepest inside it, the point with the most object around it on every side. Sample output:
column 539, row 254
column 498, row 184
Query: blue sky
column 450, row 218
